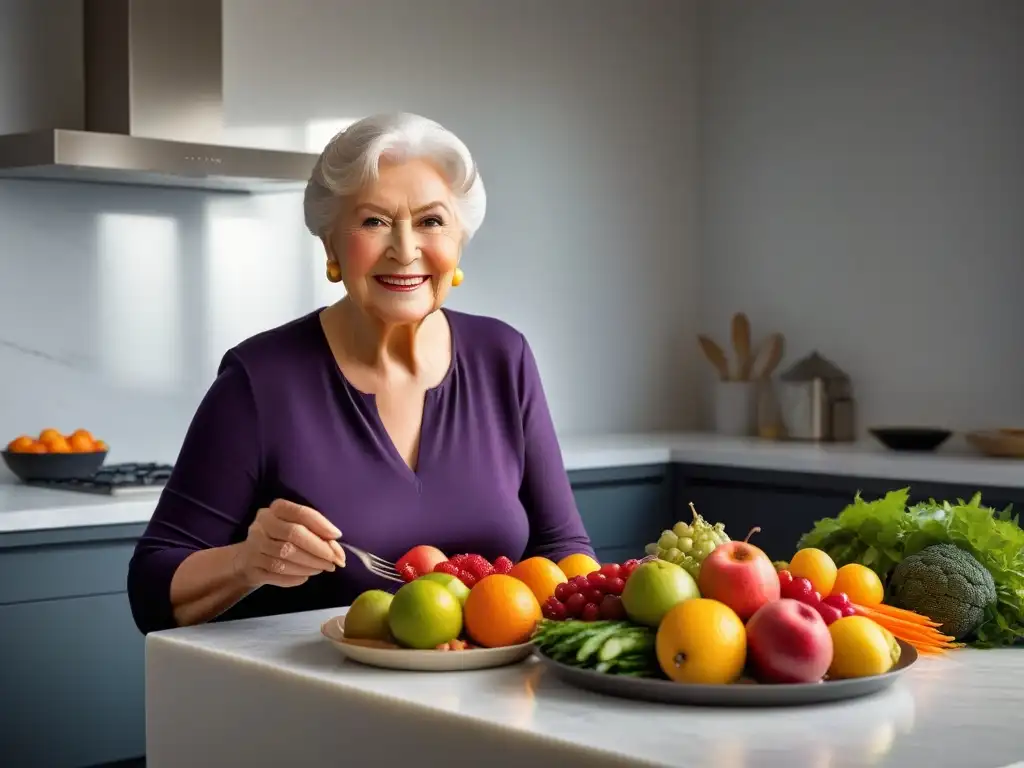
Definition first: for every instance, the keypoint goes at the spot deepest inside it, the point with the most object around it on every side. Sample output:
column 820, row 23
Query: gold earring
column 457, row 277
column 333, row 272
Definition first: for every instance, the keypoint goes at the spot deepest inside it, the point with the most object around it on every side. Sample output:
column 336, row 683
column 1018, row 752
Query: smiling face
column 398, row 243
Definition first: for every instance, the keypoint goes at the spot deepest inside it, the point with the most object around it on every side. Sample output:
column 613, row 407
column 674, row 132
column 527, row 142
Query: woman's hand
column 288, row 543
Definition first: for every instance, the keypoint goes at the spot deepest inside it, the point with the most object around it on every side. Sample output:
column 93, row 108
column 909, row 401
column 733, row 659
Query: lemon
column 861, row 648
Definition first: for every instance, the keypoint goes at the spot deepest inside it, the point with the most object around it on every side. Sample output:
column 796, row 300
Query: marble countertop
column 30, row 509
column 281, row 695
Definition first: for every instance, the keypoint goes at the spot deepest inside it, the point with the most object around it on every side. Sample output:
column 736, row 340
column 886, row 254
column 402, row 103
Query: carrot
column 905, row 626
column 924, row 639
column 905, row 615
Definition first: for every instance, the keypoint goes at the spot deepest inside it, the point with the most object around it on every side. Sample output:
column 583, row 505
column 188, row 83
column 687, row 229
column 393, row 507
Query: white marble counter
column 270, row 692
column 28, row 509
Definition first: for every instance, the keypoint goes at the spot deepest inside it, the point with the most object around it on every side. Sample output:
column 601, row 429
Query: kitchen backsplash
column 117, row 303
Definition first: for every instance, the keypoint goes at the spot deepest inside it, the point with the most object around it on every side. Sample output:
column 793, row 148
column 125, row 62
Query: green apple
column 654, row 588
column 367, row 618
column 452, row 583
column 424, row 614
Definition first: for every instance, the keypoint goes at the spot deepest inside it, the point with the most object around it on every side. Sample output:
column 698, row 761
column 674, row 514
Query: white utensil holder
column 735, row 408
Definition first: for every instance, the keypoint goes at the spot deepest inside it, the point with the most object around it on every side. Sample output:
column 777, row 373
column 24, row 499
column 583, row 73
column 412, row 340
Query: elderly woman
column 383, row 418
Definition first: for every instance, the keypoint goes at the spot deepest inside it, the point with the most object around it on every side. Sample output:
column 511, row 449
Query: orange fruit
column 49, row 434
column 817, row 567
column 83, row 433
column 500, row 610
column 701, row 641
column 36, row 447
column 860, row 584
column 81, row 443
column 57, row 444
column 20, row 444
column 578, row 565
column 540, row 575
column 101, row 446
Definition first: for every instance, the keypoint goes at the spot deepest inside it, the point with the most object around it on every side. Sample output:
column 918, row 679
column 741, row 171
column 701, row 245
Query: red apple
column 788, row 642
column 422, row 558
column 739, row 575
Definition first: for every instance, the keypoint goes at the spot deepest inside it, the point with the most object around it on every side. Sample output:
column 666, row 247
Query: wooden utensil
column 715, row 356
column 768, row 356
column 741, row 345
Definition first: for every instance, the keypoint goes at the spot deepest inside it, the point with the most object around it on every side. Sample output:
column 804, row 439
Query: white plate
column 422, row 661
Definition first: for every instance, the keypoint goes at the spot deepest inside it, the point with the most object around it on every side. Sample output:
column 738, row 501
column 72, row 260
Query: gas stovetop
column 115, row 480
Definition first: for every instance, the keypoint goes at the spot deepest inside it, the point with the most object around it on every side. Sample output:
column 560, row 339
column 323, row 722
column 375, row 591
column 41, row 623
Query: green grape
column 688, row 544
column 682, row 530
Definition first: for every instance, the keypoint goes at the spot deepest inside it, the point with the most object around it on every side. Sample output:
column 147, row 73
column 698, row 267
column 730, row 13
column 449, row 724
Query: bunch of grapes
column 688, row 544
column 596, row 596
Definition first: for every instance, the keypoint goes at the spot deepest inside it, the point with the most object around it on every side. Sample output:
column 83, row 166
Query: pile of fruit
column 699, row 608
column 52, row 441
column 709, row 610
column 466, row 601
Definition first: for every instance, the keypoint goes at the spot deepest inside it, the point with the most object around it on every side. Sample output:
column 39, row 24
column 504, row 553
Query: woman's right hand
column 288, row 543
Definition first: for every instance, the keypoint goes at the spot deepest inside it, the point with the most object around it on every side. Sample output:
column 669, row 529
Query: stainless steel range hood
column 153, row 108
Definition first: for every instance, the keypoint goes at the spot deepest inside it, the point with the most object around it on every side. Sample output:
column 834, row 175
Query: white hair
column 352, row 158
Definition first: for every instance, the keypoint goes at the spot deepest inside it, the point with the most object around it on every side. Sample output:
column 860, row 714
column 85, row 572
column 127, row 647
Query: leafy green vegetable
column 881, row 533
column 947, row 584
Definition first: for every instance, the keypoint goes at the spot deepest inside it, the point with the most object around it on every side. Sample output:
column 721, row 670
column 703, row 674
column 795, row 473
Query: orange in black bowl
column 29, row 467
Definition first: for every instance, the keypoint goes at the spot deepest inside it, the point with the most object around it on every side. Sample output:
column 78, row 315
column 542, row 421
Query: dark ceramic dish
column 739, row 695
column 911, row 438
column 30, row 467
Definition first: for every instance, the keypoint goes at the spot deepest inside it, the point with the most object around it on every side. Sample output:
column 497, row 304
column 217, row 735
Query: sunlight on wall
column 140, row 300
column 252, row 283
column 319, row 132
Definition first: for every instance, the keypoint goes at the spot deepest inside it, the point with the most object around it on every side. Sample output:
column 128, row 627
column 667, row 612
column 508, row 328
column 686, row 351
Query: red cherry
column 593, row 595
column 597, row 579
column 580, row 582
column 590, row 612
column 563, row 590
column 800, row 589
column 840, row 600
column 829, row 612
column 611, row 570
column 611, row 608
column 785, row 578
column 574, row 604
column 614, row 586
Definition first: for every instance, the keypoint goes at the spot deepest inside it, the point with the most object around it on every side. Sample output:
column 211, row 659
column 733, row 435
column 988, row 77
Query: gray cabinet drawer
column 64, row 570
column 73, row 677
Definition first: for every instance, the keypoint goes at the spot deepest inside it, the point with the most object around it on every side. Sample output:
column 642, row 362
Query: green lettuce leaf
column 880, row 533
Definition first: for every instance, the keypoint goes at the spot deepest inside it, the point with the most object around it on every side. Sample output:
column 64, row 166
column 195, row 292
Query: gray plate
column 739, row 695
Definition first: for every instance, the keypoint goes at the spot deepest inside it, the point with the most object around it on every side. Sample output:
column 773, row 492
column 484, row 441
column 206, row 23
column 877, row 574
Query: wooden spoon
column 741, row 345
column 769, row 356
column 715, row 356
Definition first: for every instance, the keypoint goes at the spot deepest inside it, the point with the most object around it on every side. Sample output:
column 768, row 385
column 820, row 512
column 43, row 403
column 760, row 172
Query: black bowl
column 53, row 466
column 911, row 438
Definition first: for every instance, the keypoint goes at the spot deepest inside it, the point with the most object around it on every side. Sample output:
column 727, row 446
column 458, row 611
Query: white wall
column 863, row 192
column 116, row 302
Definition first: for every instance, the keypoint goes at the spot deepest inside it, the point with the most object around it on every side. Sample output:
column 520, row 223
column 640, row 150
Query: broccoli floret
column 946, row 584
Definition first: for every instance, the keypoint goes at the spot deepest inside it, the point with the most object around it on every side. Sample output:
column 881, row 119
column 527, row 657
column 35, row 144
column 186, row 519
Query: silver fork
column 374, row 564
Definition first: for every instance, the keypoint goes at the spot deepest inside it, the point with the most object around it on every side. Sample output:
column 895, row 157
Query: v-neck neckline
column 368, row 402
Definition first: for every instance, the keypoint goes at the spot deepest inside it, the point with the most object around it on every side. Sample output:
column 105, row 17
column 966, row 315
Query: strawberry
column 408, row 573
column 467, row 578
column 502, row 565
column 447, row 567
column 458, row 560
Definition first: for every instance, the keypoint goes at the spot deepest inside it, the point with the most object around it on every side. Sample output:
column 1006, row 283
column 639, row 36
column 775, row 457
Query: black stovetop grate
column 112, row 479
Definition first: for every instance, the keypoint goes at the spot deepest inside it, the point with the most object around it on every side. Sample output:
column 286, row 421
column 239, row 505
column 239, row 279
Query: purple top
column 281, row 421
